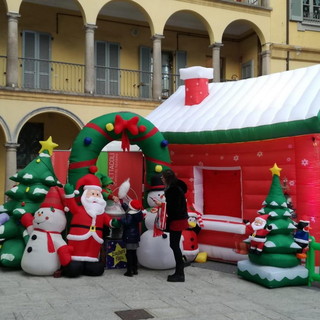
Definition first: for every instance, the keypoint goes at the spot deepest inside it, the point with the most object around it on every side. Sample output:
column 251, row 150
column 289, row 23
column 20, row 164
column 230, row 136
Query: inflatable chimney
column 196, row 83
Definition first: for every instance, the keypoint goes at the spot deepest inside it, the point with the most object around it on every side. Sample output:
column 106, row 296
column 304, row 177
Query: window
column 305, row 11
column 222, row 192
column 311, row 9
column 247, row 70
column 170, row 81
column 29, row 146
column 107, row 68
column 36, row 60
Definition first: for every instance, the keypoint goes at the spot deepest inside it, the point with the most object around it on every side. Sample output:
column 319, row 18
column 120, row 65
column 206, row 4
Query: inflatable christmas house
column 224, row 137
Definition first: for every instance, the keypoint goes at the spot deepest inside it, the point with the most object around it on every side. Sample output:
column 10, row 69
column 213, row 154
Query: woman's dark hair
column 169, row 176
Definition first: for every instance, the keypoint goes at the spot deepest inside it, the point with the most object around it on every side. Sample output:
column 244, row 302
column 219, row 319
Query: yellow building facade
column 65, row 62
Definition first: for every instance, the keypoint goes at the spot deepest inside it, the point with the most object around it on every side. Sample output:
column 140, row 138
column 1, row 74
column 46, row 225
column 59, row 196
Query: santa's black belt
column 91, row 228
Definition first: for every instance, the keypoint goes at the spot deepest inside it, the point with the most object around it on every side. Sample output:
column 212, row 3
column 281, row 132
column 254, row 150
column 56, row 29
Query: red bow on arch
column 121, row 126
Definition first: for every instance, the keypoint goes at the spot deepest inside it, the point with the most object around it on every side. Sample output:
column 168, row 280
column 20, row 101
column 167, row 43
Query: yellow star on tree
column 275, row 170
column 48, row 145
column 118, row 255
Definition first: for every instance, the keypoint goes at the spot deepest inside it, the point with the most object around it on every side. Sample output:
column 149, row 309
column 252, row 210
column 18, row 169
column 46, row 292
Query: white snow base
column 272, row 276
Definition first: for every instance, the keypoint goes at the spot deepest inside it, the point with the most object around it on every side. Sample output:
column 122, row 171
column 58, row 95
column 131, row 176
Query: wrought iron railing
column 51, row 75
column 70, row 77
column 313, row 17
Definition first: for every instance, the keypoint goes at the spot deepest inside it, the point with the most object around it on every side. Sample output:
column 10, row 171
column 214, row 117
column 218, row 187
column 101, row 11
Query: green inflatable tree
column 32, row 185
column 277, row 264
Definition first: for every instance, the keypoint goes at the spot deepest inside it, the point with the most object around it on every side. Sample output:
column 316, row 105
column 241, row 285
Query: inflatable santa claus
column 86, row 227
column 258, row 231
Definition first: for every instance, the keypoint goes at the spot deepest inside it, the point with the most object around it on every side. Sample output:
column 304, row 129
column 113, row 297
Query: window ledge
column 306, row 25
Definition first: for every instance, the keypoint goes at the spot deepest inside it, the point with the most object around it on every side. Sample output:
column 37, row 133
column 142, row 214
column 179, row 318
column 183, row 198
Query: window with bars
column 306, row 11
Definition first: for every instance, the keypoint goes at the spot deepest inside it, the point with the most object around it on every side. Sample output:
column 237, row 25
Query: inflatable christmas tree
column 272, row 255
column 32, row 185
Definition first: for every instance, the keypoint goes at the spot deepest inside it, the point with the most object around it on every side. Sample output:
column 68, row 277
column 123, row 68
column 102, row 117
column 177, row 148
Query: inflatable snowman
column 46, row 250
column 154, row 252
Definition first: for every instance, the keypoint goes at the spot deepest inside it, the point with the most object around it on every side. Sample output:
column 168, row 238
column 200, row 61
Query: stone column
column 157, row 67
column 11, row 163
column 216, row 60
column 266, row 57
column 12, row 50
column 89, row 84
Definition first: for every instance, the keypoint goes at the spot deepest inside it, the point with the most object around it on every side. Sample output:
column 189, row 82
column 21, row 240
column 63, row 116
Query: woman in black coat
column 177, row 218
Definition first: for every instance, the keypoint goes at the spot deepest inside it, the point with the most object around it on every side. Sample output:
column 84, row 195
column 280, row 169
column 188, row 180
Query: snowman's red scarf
column 49, row 239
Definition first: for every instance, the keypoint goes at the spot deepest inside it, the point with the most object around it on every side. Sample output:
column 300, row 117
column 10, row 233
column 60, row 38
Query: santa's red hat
column 135, row 205
column 263, row 217
column 304, row 219
column 53, row 199
column 89, row 181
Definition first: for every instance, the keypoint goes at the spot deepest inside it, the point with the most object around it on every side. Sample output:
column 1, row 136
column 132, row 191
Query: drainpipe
column 287, row 35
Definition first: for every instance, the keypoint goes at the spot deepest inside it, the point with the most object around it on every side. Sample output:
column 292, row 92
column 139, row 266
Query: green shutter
column 296, row 11
column 114, row 74
column 101, row 77
column 36, row 65
column 145, row 75
column 44, row 41
column 29, row 56
column 107, row 68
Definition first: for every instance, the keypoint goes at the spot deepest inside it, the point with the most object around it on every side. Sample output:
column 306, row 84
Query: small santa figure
column 258, row 231
column 46, row 250
column 86, row 227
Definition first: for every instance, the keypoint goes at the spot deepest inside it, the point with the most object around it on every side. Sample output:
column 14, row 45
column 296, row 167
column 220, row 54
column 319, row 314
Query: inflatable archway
column 128, row 127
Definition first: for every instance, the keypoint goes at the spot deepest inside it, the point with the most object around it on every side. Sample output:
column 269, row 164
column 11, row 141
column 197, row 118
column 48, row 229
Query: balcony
column 62, row 77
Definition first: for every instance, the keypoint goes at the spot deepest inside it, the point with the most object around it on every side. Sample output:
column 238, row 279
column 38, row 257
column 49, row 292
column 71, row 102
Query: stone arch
column 126, row 126
column 201, row 18
column 135, row 4
column 35, row 112
column 256, row 29
column 6, row 130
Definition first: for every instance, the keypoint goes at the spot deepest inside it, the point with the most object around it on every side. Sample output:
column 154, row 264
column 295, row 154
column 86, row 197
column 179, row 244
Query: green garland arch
column 129, row 127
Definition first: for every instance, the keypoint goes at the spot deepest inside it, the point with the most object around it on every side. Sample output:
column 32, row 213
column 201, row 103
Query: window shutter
column 29, row 64
column 36, row 63
column 145, row 75
column 296, row 11
column 181, row 62
column 101, row 77
column 114, row 69
column 44, row 64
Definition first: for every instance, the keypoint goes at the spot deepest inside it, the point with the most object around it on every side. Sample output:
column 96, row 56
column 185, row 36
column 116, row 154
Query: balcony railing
column 70, row 77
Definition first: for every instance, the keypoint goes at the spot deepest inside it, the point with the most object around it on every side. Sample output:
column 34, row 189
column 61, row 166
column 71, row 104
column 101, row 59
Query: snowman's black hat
column 156, row 183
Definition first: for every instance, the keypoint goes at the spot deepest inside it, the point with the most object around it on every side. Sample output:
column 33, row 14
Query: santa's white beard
column 93, row 205
column 256, row 227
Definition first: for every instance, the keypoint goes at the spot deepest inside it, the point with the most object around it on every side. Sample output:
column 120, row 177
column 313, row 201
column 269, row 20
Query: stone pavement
column 211, row 291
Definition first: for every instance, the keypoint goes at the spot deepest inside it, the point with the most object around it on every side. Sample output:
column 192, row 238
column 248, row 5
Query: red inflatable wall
column 299, row 158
